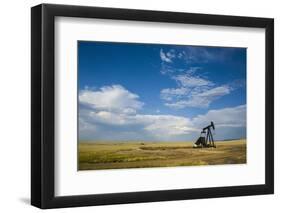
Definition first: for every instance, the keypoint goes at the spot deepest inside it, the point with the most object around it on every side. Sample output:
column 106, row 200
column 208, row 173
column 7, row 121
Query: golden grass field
column 110, row 155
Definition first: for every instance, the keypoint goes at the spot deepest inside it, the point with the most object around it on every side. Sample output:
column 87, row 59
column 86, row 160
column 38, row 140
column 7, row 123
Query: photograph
column 160, row 105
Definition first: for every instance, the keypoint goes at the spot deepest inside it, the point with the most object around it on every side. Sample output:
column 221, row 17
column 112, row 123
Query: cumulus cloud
column 102, row 117
column 111, row 98
column 230, row 122
column 158, row 127
column 113, row 109
column 140, row 126
column 226, row 117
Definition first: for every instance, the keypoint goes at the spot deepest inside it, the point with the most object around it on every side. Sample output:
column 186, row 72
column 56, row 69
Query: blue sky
column 160, row 92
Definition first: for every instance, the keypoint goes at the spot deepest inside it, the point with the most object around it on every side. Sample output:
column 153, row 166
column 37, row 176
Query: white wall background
column 15, row 105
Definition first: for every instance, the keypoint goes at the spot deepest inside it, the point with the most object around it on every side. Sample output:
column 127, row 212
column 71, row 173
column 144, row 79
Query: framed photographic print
column 139, row 106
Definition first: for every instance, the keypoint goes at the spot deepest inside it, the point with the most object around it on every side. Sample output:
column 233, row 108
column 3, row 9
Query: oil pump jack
column 206, row 139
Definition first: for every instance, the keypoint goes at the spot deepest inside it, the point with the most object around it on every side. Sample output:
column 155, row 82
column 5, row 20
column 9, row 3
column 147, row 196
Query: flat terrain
column 110, row 155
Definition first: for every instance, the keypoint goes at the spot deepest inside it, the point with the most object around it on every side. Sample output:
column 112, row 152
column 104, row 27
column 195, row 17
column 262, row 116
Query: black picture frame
column 43, row 102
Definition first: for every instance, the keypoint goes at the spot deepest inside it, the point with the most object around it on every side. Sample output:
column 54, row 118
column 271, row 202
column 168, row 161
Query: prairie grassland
column 112, row 155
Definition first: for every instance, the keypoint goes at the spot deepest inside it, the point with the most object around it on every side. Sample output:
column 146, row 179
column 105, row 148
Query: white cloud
column 187, row 80
column 193, row 90
column 169, row 94
column 215, row 92
column 204, row 99
column 102, row 117
column 193, row 54
column 166, row 124
column 200, row 98
column 167, row 57
column 230, row 123
column 152, row 127
column 111, row 98
column 114, row 110
column 226, row 117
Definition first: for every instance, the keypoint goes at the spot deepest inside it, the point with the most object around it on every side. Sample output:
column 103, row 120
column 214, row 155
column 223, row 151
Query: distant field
column 110, row 155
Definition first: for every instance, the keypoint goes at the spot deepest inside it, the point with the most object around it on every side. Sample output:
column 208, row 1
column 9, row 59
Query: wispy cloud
column 197, row 54
column 187, row 80
column 170, row 94
column 168, row 56
column 194, row 54
column 200, row 99
column 193, row 89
